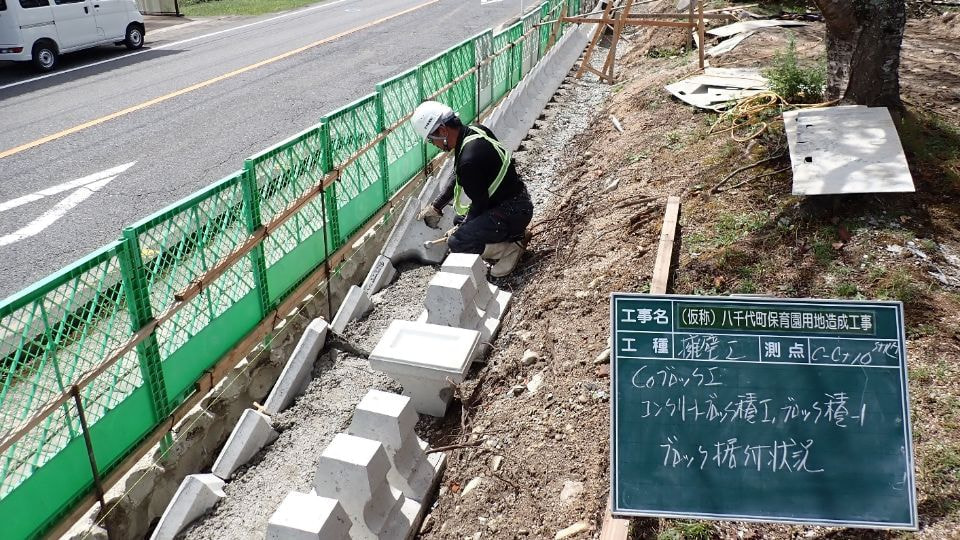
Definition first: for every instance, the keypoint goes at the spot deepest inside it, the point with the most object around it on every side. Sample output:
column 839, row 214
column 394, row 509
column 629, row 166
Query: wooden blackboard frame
column 892, row 331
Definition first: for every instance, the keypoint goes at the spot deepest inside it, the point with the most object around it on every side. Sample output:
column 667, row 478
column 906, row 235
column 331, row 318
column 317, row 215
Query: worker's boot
column 494, row 252
column 509, row 257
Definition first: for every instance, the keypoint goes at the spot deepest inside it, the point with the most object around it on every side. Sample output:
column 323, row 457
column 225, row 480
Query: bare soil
column 537, row 432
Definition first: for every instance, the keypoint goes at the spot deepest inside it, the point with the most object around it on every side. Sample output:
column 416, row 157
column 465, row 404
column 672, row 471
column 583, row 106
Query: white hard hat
column 430, row 115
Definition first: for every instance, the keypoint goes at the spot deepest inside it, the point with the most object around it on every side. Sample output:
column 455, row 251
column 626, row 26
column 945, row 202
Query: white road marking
column 37, row 195
column 176, row 43
column 83, row 188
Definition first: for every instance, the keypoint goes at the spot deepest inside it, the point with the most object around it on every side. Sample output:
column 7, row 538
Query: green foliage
column 686, row 530
column 793, row 81
column 212, row 8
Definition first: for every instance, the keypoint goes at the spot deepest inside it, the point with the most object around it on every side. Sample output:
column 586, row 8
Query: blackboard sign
column 760, row 409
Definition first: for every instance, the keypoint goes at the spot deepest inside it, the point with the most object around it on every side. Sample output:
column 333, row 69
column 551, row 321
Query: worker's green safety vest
column 478, row 133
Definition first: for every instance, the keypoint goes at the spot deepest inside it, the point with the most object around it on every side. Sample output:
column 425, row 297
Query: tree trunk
column 863, row 50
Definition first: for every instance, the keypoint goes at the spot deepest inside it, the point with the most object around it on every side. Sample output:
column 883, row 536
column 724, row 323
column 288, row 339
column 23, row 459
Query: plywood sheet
column 846, row 150
column 746, row 26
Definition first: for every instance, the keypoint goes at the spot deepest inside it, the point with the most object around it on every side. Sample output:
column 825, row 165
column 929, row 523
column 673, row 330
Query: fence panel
column 398, row 97
column 280, row 175
column 531, row 45
column 463, row 94
column 515, row 32
column 434, row 74
column 180, row 244
column 361, row 187
column 483, row 47
column 50, row 336
column 501, row 65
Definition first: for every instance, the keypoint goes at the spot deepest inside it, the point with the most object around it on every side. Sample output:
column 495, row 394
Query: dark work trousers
column 505, row 222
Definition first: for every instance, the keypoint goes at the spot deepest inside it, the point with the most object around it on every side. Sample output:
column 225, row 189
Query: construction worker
column 495, row 222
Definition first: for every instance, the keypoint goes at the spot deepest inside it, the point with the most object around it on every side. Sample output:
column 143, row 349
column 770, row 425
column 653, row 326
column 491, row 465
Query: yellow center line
column 171, row 95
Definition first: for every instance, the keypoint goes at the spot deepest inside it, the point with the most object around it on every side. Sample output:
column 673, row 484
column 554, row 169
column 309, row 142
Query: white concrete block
column 354, row 471
column 452, row 301
column 303, row 516
column 297, row 373
column 425, row 359
column 356, row 304
column 470, row 264
column 406, row 240
column 390, row 419
column 197, row 494
column 381, row 274
column 498, row 305
column 252, row 432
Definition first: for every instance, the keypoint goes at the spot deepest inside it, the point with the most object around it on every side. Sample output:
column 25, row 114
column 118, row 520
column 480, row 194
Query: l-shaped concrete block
column 353, row 470
column 197, row 494
column 355, row 305
column 304, row 516
column 296, row 374
column 251, row 434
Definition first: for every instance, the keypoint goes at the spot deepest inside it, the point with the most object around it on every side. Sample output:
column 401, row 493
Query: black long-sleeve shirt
column 477, row 166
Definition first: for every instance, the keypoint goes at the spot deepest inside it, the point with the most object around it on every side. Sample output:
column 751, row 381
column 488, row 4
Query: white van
column 41, row 30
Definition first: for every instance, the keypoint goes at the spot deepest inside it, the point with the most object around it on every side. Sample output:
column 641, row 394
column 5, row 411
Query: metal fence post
column 330, row 194
column 251, row 214
column 382, row 147
column 134, row 276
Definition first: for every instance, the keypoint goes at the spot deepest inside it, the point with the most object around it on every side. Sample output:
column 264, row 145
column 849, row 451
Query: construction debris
column 717, row 88
column 850, row 149
column 748, row 26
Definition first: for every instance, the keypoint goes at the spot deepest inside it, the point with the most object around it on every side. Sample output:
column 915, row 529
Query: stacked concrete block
column 452, row 301
column 249, row 436
column 390, row 419
column 305, row 516
column 354, row 470
column 490, row 298
column 355, row 305
column 296, row 373
column 197, row 494
column 427, row 360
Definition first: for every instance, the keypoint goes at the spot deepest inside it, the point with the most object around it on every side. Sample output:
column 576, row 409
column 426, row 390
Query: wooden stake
column 700, row 32
column 690, row 20
column 585, row 63
column 556, row 27
column 609, row 65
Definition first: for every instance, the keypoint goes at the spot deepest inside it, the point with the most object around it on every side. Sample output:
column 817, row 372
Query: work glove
column 430, row 216
column 452, row 230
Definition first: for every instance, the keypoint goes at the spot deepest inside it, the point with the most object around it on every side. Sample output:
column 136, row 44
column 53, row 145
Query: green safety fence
column 56, row 333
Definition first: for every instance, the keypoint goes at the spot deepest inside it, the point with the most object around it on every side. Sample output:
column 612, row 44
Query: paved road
column 130, row 116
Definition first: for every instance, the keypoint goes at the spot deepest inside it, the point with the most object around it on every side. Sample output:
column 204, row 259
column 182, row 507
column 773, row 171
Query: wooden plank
column 661, row 268
column 614, row 528
column 632, row 21
column 609, row 66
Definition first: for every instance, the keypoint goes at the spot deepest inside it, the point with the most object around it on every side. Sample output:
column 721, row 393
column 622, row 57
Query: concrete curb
column 250, row 435
column 296, row 373
column 355, row 305
column 198, row 493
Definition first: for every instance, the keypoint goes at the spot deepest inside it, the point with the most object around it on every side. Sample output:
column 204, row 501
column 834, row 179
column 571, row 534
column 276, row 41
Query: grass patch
column 846, row 289
column 932, row 144
column 664, row 52
column 795, row 82
column 728, row 229
column 686, row 530
column 212, row 8
column 897, row 285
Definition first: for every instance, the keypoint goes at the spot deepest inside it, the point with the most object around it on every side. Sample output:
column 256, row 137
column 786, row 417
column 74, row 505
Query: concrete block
column 197, row 494
column 470, row 264
column 251, row 433
column 406, row 240
column 355, row 305
column 426, row 359
column 452, row 301
column 304, row 516
column 390, row 419
column 381, row 274
column 296, row 373
column 498, row 305
column 354, row 471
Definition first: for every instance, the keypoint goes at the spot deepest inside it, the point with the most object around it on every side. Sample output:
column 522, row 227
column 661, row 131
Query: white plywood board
column 846, row 150
column 729, row 44
column 718, row 86
column 747, row 26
